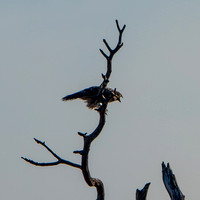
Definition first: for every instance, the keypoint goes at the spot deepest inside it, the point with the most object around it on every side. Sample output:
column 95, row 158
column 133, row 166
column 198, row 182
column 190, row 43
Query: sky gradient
column 50, row 49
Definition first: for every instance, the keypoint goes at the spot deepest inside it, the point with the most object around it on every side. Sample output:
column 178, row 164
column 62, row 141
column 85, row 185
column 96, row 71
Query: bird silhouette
column 92, row 98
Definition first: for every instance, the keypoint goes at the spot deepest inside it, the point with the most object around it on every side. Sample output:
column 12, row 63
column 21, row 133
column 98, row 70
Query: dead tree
column 101, row 98
column 170, row 183
column 141, row 194
column 89, row 138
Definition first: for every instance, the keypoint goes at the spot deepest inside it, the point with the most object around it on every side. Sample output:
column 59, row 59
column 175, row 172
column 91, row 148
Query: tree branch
column 45, row 146
column 112, row 51
column 94, row 182
column 40, row 164
column 88, row 138
column 60, row 160
column 108, row 47
column 170, row 183
column 87, row 142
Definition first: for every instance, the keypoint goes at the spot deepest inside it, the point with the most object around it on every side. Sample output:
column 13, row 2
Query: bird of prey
column 92, row 98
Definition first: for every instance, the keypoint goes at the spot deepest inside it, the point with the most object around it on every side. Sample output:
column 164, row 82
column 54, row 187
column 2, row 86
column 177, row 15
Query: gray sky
column 50, row 49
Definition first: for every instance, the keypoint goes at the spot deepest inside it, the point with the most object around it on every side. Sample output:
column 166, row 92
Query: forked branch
column 88, row 138
column 102, row 113
column 112, row 51
column 59, row 160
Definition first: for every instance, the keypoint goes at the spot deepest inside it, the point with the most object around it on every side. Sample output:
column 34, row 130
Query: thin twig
column 112, row 51
column 45, row 146
column 60, row 160
column 108, row 47
column 41, row 164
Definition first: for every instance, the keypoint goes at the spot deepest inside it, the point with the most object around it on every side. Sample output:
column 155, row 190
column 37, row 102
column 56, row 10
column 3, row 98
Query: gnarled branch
column 170, row 183
column 60, row 160
column 88, row 138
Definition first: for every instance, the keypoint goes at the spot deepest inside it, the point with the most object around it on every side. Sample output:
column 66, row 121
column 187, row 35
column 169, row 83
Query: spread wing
column 83, row 94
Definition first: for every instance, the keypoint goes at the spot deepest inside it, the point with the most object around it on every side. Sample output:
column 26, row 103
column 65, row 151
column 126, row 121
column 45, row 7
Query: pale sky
column 50, row 49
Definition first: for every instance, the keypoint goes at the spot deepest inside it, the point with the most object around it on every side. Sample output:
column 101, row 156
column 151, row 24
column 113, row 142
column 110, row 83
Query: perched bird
column 91, row 97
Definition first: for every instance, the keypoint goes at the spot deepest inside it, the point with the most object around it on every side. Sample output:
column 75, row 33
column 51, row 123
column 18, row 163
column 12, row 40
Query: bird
column 92, row 98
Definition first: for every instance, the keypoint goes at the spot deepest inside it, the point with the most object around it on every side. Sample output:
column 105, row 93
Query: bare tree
column 98, row 97
column 89, row 138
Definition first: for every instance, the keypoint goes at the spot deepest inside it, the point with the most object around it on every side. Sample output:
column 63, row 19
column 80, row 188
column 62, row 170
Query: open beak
column 118, row 99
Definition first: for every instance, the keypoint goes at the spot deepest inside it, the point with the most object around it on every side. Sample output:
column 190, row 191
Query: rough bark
column 170, row 183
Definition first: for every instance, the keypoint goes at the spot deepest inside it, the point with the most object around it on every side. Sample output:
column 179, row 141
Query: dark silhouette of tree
column 170, row 183
column 98, row 97
column 103, row 99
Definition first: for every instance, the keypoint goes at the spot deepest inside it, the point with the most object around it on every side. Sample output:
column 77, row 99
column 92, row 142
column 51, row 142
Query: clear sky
column 50, row 49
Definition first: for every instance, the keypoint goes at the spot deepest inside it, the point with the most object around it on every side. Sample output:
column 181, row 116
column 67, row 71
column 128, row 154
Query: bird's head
column 117, row 95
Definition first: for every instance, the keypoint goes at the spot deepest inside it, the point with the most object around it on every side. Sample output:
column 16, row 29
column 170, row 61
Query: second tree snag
column 141, row 194
column 170, row 183
column 89, row 138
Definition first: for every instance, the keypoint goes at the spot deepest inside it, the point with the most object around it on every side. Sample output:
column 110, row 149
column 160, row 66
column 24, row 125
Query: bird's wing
column 82, row 94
